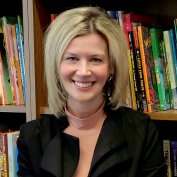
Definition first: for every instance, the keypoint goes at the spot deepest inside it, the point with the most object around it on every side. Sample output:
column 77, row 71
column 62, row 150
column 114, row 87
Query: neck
column 83, row 110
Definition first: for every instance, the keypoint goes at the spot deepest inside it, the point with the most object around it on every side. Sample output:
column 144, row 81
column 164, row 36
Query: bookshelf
column 40, row 12
column 36, row 18
column 12, row 115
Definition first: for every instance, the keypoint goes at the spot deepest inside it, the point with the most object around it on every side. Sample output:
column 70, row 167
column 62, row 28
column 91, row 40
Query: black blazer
column 128, row 146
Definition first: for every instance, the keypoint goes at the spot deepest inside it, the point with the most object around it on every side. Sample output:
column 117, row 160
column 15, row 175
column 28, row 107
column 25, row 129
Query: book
column 2, row 95
column 171, row 67
column 17, row 65
column 148, row 69
column 5, row 171
column 173, row 157
column 8, row 95
column 1, row 156
column 166, row 150
column 7, row 21
column 175, row 28
column 160, row 68
column 139, row 67
column 12, row 153
column 138, row 95
column 20, row 45
column 174, row 50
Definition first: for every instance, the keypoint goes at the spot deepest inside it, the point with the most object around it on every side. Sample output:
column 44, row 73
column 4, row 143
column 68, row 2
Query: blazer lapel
column 52, row 157
column 61, row 155
column 111, row 147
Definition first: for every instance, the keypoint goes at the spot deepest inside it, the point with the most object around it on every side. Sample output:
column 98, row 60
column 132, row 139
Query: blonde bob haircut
column 77, row 22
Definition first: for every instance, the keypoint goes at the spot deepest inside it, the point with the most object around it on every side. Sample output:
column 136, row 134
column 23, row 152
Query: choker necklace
column 88, row 122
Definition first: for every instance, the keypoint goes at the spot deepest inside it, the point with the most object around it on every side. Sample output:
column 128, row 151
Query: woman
column 91, row 132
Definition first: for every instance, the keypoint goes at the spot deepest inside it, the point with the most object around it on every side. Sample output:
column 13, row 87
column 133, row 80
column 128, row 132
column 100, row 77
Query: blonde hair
column 77, row 22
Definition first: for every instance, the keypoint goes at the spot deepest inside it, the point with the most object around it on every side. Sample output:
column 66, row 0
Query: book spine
column 17, row 65
column 1, row 153
column 171, row 67
column 173, row 157
column 7, row 48
column 12, row 153
column 145, row 45
column 131, row 81
column 138, row 95
column 159, row 62
column 166, row 150
column 175, row 27
column 7, row 83
column 139, row 68
column 13, row 64
column 5, row 156
column 21, row 58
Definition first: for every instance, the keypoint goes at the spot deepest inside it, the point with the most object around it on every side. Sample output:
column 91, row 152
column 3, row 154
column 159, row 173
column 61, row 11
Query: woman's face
column 84, row 68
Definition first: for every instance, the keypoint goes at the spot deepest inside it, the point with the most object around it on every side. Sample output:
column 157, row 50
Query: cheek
column 103, row 73
column 64, row 71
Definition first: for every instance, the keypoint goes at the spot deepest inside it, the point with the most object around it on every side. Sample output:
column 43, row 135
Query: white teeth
column 83, row 84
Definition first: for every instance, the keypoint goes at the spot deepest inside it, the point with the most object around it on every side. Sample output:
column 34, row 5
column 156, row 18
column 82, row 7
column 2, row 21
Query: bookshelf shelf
column 13, row 109
column 170, row 115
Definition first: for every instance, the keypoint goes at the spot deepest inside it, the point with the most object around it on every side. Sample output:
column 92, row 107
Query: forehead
column 88, row 42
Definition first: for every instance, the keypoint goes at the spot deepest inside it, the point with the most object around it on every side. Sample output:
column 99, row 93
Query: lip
column 83, row 84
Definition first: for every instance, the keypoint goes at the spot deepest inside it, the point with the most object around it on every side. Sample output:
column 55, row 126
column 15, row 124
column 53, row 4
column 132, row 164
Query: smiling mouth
column 83, row 84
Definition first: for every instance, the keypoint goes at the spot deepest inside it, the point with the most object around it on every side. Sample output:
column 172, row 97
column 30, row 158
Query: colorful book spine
column 131, row 82
column 9, row 57
column 139, row 67
column 19, row 33
column 12, row 153
column 171, row 67
column 166, row 150
column 17, row 65
column 5, row 155
column 175, row 28
column 148, row 69
column 139, row 103
column 160, row 70
column 2, row 86
column 7, row 84
column 173, row 157
column 174, row 50
column 1, row 155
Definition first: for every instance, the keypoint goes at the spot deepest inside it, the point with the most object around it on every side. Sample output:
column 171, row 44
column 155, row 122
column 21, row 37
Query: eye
column 97, row 60
column 71, row 59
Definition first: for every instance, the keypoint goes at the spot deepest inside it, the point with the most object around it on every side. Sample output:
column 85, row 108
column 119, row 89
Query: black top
column 128, row 146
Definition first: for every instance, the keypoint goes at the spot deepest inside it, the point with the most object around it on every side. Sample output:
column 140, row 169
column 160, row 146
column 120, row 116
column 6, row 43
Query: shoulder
column 134, row 122
column 42, row 121
column 129, row 115
column 45, row 125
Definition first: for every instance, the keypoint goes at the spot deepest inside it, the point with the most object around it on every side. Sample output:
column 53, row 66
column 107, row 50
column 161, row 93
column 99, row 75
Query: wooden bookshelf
column 14, row 8
column 13, row 109
column 164, row 115
column 36, row 18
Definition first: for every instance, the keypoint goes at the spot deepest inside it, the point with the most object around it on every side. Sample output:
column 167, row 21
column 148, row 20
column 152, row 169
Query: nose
column 83, row 69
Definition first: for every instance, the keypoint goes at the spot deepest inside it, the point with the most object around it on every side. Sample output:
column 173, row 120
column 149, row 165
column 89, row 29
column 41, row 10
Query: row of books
column 12, row 64
column 170, row 154
column 152, row 61
column 8, row 154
